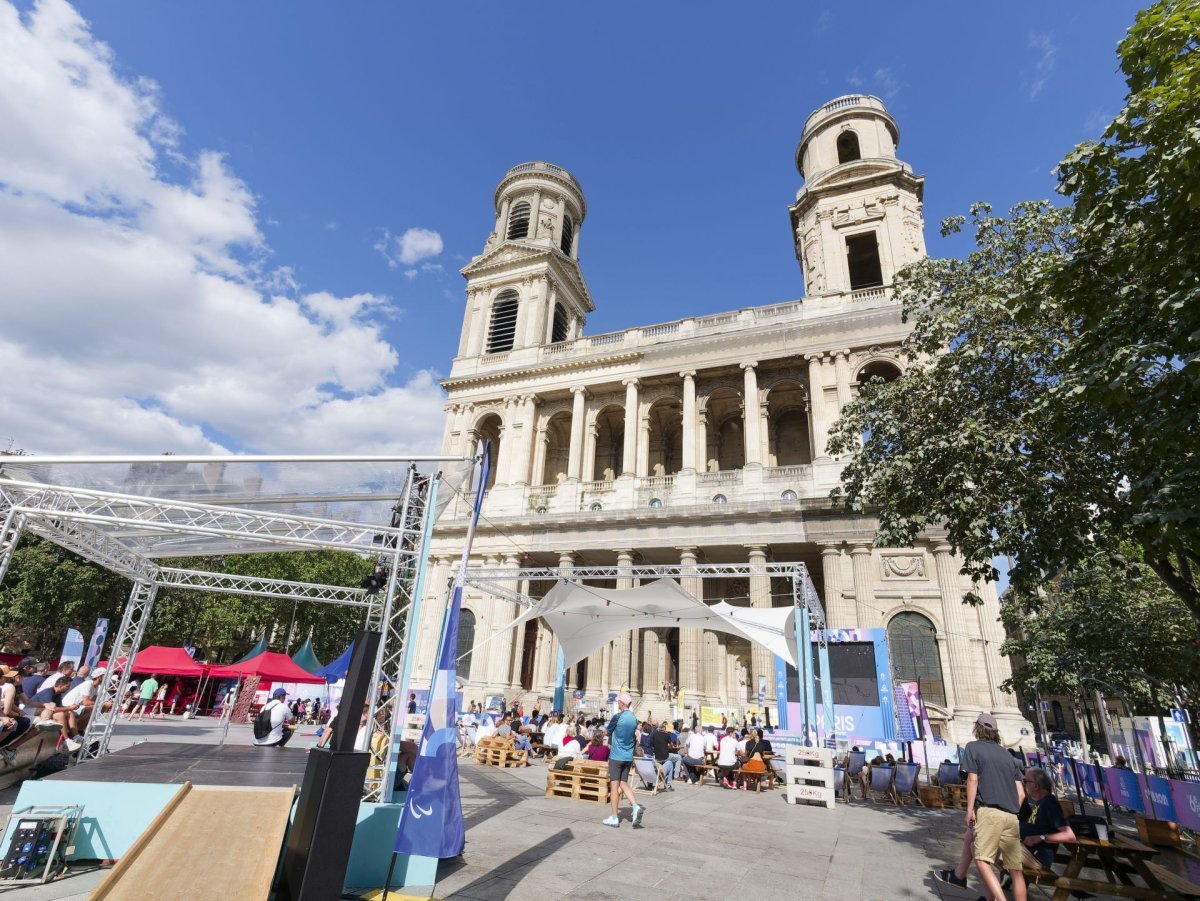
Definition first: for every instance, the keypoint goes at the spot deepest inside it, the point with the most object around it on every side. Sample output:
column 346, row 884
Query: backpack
column 262, row 722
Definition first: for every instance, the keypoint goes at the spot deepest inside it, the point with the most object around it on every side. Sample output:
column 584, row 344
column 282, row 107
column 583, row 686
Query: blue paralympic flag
column 431, row 823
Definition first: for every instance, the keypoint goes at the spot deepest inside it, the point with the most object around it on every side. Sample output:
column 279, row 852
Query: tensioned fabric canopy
column 167, row 662
column 585, row 619
column 269, row 665
column 306, row 658
column 337, row 669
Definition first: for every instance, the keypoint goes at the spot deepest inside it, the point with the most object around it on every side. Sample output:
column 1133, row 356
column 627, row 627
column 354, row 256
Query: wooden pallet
column 579, row 782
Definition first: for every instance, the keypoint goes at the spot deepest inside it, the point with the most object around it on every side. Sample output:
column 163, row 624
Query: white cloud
column 414, row 245
column 883, row 83
column 1036, row 77
column 139, row 313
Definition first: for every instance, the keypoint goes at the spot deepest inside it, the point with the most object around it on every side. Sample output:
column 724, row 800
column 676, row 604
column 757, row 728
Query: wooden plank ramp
column 208, row 842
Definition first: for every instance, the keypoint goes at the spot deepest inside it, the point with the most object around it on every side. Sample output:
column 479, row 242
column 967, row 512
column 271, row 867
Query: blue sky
column 279, row 147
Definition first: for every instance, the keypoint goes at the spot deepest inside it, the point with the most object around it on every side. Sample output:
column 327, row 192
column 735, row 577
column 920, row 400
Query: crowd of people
column 39, row 699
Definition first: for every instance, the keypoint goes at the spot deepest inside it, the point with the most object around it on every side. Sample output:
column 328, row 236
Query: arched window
column 655, row 502
column 913, row 645
column 466, row 642
column 518, row 220
column 847, row 147
column 568, row 235
column 596, row 507
column 720, row 499
column 862, row 258
column 789, row 495
column 503, row 329
column 562, row 325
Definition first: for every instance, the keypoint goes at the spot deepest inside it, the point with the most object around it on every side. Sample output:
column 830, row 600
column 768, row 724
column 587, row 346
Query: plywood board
column 216, row 843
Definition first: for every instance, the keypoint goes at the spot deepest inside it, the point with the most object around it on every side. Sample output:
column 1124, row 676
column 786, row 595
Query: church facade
column 703, row 439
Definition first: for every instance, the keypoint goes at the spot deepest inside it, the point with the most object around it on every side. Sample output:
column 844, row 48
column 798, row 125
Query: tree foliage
column 1053, row 386
column 1108, row 623
column 48, row 590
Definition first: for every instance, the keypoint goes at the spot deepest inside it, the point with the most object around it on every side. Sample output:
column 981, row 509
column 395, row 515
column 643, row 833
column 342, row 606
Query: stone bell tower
column 857, row 220
column 526, row 289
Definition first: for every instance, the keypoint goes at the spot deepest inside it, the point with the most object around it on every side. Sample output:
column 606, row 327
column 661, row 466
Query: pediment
column 517, row 254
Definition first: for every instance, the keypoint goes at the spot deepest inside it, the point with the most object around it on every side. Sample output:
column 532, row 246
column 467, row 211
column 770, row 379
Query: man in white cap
column 77, row 705
column 622, row 729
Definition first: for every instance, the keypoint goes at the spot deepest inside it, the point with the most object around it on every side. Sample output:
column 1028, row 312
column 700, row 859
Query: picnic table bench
column 497, row 751
column 579, row 780
column 1118, row 858
column 710, row 770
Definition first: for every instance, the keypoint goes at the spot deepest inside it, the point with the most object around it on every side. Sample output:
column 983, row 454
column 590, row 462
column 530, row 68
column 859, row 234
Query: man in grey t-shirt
column 994, row 795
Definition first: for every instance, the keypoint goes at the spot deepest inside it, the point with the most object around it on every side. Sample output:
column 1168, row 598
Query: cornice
column 471, row 381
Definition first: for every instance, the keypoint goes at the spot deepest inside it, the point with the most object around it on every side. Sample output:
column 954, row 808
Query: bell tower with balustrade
column 857, row 220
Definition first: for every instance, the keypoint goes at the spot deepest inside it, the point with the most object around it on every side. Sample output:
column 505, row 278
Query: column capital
column 942, row 548
column 814, row 358
column 689, row 549
column 860, row 549
column 748, row 364
column 757, row 548
column 512, row 561
column 843, row 352
column 634, row 382
column 623, row 551
column 688, row 374
column 579, row 389
column 831, row 548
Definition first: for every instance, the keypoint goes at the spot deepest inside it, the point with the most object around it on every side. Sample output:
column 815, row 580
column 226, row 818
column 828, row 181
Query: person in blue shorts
column 622, row 729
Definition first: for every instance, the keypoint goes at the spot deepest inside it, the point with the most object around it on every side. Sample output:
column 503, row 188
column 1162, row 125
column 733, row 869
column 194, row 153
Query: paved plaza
column 698, row 842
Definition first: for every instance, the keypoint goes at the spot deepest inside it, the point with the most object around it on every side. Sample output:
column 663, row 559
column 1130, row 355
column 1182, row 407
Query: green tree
column 1106, row 622
column 1054, row 376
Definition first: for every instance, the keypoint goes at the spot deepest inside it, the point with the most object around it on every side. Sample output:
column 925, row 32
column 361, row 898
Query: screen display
column 852, row 674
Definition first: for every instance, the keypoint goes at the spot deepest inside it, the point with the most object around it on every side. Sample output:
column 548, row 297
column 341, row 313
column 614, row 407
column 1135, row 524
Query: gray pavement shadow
column 500, row 795
column 502, row 879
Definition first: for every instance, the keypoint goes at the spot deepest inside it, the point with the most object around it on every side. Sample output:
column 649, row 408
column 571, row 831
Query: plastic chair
column 905, row 782
column 650, row 773
column 881, row 782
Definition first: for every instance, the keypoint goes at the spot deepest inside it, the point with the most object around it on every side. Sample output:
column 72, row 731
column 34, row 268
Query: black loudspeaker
column 318, row 845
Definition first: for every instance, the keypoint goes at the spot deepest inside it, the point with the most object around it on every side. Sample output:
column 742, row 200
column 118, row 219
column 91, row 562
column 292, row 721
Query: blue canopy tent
column 306, row 658
column 337, row 669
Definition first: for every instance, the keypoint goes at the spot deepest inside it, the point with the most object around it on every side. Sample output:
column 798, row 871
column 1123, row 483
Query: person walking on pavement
column 995, row 793
column 622, row 729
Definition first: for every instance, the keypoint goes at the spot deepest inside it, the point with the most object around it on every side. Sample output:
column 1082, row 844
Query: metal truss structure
column 810, row 624
column 129, row 533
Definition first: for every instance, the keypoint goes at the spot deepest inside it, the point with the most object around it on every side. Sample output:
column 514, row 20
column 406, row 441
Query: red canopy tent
column 167, row 662
column 268, row 666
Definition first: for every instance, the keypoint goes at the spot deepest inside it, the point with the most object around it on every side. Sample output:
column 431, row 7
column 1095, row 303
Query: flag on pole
column 96, row 645
column 431, row 823
column 72, row 650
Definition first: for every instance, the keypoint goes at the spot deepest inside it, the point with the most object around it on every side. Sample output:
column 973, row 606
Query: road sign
column 1180, row 716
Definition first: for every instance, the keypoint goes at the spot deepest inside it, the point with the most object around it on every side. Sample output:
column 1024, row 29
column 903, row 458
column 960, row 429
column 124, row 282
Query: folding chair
column 881, row 783
column 650, row 773
column 954, row 792
column 779, row 765
column 855, row 761
column 905, row 782
column 839, row 783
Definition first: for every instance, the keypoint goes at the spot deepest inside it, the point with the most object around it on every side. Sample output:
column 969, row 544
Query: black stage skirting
column 176, row 763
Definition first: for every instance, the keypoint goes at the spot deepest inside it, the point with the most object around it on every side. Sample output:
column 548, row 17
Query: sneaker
column 670, row 788
column 610, row 821
column 72, row 745
column 47, row 726
column 9, row 756
column 949, row 878
column 638, row 812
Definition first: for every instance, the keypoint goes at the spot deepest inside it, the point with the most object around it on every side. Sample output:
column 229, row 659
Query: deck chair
column 839, row 783
column 950, row 779
column 948, row 774
column 650, row 773
column 855, row 761
column 779, row 765
column 881, row 783
column 905, row 782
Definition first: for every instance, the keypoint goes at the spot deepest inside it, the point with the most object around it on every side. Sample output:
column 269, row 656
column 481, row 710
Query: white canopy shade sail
column 585, row 619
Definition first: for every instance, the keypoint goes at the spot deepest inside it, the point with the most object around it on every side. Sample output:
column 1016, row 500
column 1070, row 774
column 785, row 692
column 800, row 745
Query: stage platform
column 174, row 763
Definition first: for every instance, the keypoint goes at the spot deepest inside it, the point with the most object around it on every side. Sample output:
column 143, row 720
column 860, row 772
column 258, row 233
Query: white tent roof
column 584, row 618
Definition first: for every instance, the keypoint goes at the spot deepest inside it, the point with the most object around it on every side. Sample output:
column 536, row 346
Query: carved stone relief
column 902, row 567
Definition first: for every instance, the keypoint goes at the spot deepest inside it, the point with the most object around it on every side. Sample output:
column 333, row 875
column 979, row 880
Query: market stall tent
column 269, row 666
column 167, row 662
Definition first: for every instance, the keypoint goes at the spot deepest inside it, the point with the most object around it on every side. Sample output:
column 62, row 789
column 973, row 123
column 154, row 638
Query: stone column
column 864, row 595
column 621, row 646
column 751, row 417
column 575, row 457
column 629, row 454
column 588, row 471
column 958, row 644
column 690, row 639
column 689, row 423
column 702, row 440
column 508, row 442
column 518, row 635
column 479, row 327
column 523, row 438
column 651, row 678
column 839, row 614
column 540, row 444
column 502, row 222
column 762, row 661
column 722, row 671
column 425, row 642
column 643, row 447
column 841, row 366
column 502, row 646
column 816, row 403
column 709, row 664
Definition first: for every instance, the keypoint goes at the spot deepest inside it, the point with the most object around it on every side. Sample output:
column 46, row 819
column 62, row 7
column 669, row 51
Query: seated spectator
column 13, row 723
column 727, row 760
column 31, row 684
column 1043, row 823
column 693, row 754
column 597, row 748
column 764, row 746
column 710, row 742
column 569, row 751
column 77, row 706
column 660, row 743
column 646, row 738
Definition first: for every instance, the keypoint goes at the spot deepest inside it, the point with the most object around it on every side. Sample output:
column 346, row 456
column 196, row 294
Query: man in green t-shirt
column 146, row 698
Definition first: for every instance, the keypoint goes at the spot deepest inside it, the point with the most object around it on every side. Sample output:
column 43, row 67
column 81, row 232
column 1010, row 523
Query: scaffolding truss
column 129, row 533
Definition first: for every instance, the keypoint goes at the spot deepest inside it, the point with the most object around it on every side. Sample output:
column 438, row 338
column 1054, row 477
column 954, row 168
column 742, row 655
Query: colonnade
column 522, row 423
